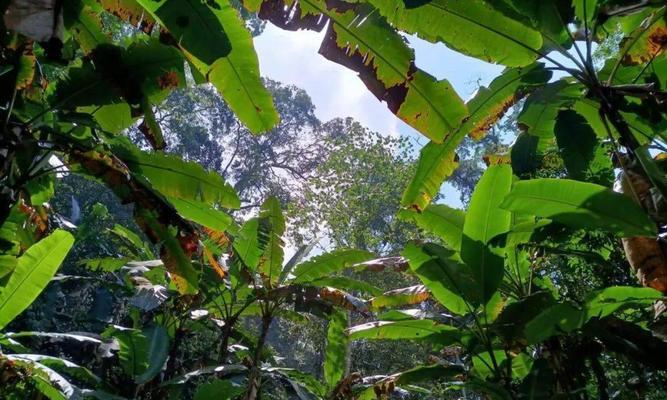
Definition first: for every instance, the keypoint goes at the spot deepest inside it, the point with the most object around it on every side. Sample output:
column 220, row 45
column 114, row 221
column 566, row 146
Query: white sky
column 292, row 58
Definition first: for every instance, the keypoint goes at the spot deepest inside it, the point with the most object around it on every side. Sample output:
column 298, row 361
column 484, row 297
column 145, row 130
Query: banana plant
column 31, row 259
column 69, row 97
column 249, row 277
column 502, row 327
column 574, row 103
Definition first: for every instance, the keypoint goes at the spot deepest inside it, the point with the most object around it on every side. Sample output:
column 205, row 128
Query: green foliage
column 327, row 263
column 580, row 205
column 33, row 271
column 335, row 362
column 527, row 294
column 484, row 221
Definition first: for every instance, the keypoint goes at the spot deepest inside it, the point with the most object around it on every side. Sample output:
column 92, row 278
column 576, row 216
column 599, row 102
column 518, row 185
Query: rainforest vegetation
column 174, row 225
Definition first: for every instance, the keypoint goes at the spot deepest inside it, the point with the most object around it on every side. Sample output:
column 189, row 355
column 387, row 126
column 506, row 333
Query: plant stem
column 254, row 376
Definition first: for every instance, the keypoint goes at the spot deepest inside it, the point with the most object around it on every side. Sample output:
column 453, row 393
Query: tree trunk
column 255, row 376
column 646, row 255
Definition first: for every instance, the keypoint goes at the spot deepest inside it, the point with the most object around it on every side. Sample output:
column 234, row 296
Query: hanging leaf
column 450, row 281
column 142, row 353
column 440, row 220
column 237, row 77
column 271, row 262
column 33, row 271
column 490, row 104
column 436, row 163
column 133, row 353
column 157, row 342
column 580, row 205
column 247, row 243
column 336, row 352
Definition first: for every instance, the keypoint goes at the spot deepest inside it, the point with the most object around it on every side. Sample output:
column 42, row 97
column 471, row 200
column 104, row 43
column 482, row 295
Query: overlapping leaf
column 450, row 282
column 471, row 27
column 436, row 163
column 580, row 205
column 194, row 26
column 173, row 177
column 363, row 41
column 328, row 263
column 485, row 220
column 440, row 220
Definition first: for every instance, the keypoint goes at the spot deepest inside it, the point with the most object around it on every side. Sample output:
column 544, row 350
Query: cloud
column 293, row 58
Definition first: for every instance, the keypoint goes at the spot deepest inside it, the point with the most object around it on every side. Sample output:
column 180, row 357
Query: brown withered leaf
column 290, row 18
column 398, row 264
column 214, row 263
column 130, row 11
column 218, row 237
column 481, row 128
column 153, row 214
column 496, row 159
column 168, row 80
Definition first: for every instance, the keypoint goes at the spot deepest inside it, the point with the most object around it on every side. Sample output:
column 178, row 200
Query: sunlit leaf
column 470, row 27
column 335, row 354
column 328, row 263
column 580, row 205
column 32, row 273
column 436, row 163
column 442, row 221
column 450, row 281
column 485, row 220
